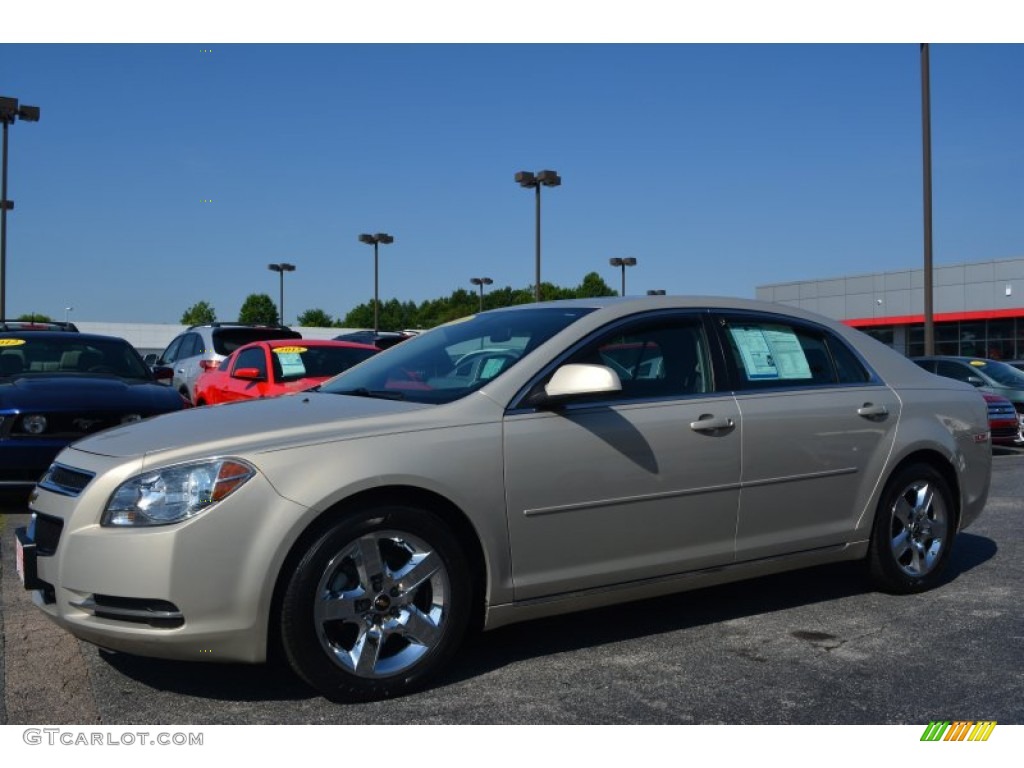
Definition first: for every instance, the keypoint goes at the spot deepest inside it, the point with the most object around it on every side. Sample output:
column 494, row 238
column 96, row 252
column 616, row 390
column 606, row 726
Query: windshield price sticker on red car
column 290, row 359
column 11, row 342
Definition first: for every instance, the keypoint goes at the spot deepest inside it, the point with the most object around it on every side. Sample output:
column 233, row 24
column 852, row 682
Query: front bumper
column 197, row 590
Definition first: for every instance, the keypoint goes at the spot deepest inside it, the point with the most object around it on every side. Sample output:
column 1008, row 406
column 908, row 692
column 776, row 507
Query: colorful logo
column 958, row 730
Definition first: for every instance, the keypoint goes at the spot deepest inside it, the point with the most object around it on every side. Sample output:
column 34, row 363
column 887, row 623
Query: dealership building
column 978, row 307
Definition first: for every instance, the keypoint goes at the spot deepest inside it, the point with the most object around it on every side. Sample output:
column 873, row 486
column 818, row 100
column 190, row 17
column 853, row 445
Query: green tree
column 315, row 318
column 593, row 285
column 359, row 317
column 258, row 308
column 395, row 316
column 35, row 317
column 200, row 313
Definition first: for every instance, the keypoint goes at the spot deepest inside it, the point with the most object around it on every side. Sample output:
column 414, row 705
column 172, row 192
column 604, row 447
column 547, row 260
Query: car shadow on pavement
column 690, row 610
column 209, row 680
column 490, row 651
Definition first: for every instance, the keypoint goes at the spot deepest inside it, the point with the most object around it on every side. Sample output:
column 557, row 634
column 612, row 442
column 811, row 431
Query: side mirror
column 576, row 380
column 249, row 374
column 163, row 374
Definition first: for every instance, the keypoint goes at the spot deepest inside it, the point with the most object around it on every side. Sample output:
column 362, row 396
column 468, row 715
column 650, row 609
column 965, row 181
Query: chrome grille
column 65, row 480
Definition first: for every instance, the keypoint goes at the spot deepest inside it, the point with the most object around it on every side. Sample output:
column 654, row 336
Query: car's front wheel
column 913, row 531
column 377, row 605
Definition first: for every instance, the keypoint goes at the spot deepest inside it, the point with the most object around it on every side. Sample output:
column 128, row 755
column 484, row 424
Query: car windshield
column 301, row 361
column 71, row 354
column 1002, row 373
column 453, row 360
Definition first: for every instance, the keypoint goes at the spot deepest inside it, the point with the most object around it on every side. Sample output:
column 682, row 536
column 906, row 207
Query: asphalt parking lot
column 811, row 647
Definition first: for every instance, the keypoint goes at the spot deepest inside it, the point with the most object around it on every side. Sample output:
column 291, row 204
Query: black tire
column 349, row 625
column 913, row 533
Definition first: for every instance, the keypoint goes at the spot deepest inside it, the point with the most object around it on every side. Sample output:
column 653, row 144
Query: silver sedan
column 519, row 463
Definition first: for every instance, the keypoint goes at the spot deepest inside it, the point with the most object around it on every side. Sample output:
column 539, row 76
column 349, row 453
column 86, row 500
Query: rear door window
column 772, row 353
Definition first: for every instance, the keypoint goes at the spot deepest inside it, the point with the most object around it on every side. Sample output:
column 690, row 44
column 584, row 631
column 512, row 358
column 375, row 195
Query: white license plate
column 19, row 560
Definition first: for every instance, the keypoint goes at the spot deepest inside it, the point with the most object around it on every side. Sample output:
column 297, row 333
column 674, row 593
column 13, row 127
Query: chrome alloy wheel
column 381, row 604
column 919, row 528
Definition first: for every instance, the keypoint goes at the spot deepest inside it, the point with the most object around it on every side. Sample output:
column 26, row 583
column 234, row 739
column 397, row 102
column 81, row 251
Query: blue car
column 59, row 386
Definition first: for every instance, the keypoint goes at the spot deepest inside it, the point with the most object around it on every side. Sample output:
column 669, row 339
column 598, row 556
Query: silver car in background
column 519, row 463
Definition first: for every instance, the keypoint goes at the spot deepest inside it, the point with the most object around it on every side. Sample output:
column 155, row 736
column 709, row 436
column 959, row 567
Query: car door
column 246, row 389
column 629, row 485
column 186, row 367
column 169, row 356
column 817, row 430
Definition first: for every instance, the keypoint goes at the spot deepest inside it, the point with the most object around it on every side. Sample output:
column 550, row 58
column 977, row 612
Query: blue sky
column 720, row 167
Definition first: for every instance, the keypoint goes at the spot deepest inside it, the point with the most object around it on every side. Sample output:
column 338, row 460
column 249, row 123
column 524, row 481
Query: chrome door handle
column 709, row 423
column 871, row 411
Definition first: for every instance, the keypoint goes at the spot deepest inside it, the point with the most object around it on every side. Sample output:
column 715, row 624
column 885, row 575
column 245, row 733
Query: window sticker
column 770, row 353
column 492, row 367
column 289, row 350
column 978, row 363
column 291, row 362
column 11, row 342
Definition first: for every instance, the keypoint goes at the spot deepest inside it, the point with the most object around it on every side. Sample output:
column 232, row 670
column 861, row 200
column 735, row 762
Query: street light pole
column 528, row 180
column 281, row 269
column 375, row 240
column 926, row 148
column 67, row 314
column 629, row 261
column 481, row 281
column 9, row 111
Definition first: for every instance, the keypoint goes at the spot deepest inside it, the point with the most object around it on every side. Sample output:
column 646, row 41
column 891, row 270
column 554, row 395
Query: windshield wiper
column 382, row 394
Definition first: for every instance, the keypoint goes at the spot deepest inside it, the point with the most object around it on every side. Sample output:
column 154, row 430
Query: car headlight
column 172, row 494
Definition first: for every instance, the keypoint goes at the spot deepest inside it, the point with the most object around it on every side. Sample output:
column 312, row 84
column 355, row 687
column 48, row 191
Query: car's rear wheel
column 377, row 605
column 913, row 532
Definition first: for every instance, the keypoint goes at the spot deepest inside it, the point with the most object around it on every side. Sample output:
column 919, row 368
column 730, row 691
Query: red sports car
column 279, row 367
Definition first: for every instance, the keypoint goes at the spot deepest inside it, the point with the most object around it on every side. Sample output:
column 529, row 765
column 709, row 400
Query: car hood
column 86, row 393
column 260, row 425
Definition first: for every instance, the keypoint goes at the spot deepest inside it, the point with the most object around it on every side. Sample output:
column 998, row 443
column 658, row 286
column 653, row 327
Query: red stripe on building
column 944, row 317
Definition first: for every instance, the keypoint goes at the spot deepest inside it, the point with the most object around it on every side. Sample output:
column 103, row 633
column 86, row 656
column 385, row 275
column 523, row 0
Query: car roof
column 219, row 324
column 36, row 326
column 958, row 358
column 311, row 343
column 62, row 335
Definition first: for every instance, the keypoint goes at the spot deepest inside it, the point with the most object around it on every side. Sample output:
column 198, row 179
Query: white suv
column 202, row 347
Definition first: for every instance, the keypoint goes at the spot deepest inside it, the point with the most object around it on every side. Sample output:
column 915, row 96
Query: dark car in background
column 56, row 387
column 378, row 339
column 1003, row 421
column 36, row 325
column 992, row 376
column 203, row 347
